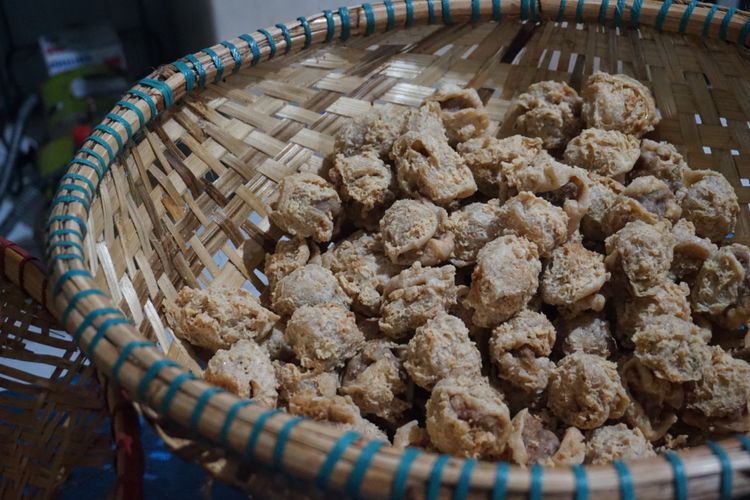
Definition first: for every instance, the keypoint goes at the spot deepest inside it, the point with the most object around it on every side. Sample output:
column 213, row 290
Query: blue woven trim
column 402, row 472
column 78, row 296
column 409, row 13
column 330, row 25
column 370, row 18
column 198, row 68
column 68, row 275
column 662, row 14
column 99, row 159
column 67, row 256
column 324, row 474
column 603, row 12
column 686, row 15
column 744, row 440
column 501, row 481
column 579, row 11
column 217, row 63
column 122, row 121
column 187, row 74
column 135, row 109
column 389, row 15
column 64, row 232
column 145, row 97
column 76, row 187
column 744, row 32
column 101, row 332
column 105, row 145
column 308, row 32
column 474, row 11
column 709, row 18
column 229, row 419
column 71, row 198
column 90, row 317
column 151, row 373
column 430, row 12
column 436, row 477
column 561, row 12
column 174, row 386
column 464, row 480
column 271, row 42
column 620, row 8
column 537, row 483
column 524, row 10
column 582, row 482
column 252, row 440
column 354, row 481
column 161, row 87
column 253, row 48
column 236, row 57
column 496, row 12
column 635, row 14
column 725, row 23
column 78, row 177
column 283, row 439
column 680, row 481
column 106, row 129
column 725, row 492
column 346, row 28
column 64, row 244
column 69, row 218
column 129, row 347
column 626, row 480
column 200, row 406
column 287, row 37
column 532, row 10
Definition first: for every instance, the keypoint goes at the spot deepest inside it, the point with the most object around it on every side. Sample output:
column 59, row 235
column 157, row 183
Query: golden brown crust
column 617, row 442
column 536, row 219
column 618, row 102
column 307, row 286
column 306, row 205
column 708, row 201
column 605, row 152
column 549, row 110
column 462, row 113
column 246, row 370
column 416, row 231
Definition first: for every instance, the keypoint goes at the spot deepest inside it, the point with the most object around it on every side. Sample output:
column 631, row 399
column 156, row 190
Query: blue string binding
column 744, row 440
column 69, row 218
column 744, row 32
column 537, row 483
column 725, row 491
column 254, row 49
column 217, row 63
column 68, row 275
column 271, row 42
column 345, row 26
column 464, row 480
column 135, row 109
column 619, row 10
column 389, row 15
column 680, row 480
column 430, row 12
column 326, row 469
column 330, row 25
column 90, row 192
column 686, row 15
column 287, row 37
column 370, row 18
column 151, row 373
column 582, row 483
column 200, row 406
column 635, row 14
column 282, row 439
column 725, row 23
column 106, row 129
column 252, row 440
column 626, row 480
column 436, row 477
column 662, row 14
column 187, row 74
column 64, row 244
column 101, row 331
column 71, row 198
column 123, row 122
column 603, row 12
column 145, row 97
column 104, row 144
column 532, row 10
column 409, row 13
column 524, row 10
column 129, row 347
column 160, row 86
column 174, row 386
column 74, row 300
column 501, row 481
column 59, row 233
column 199, row 69
column 402, row 473
column 561, row 12
column 579, row 12
column 474, row 11
column 308, row 32
column 229, row 419
column 496, row 12
column 354, row 481
column 235, row 53
column 90, row 317
column 709, row 18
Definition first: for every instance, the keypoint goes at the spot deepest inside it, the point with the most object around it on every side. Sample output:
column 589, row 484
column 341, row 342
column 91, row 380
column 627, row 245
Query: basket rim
column 106, row 335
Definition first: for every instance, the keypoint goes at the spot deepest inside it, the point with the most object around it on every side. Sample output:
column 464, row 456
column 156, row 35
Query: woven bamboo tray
column 178, row 176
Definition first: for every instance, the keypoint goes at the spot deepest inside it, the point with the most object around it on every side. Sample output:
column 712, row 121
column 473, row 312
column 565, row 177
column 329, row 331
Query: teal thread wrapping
column 145, row 97
column 501, row 481
column 725, row 491
column 537, row 476
column 252, row 440
column 474, row 11
column 662, row 14
column 430, row 12
column 135, row 109
column 330, row 25
column 496, row 12
column 68, row 275
column 680, row 481
column 151, row 373
column 217, row 63
column 64, row 244
column 69, row 218
column 346, row 28
column 370, row 18
column 579, row 11
column 464, row 480
column 389, row 15
column 744, row 32
column 99, row 158
column 409, row 13
column 106, row 129
column 122, row 121
column 282, row 439
column 582, row 483
column 254, row 49
column 524, row 10
column 78, row 296
column 104, row 144
column 229, row 419
column 402, row 473
column 187, row 74
column 446, row 9
column 129, row 347
column 199, row 69
column 77, row 188
column 626, row 480
column 71, row 198
column 200, row 406
column 68, row 256
column 635, row 14
column 603, row 12
column 236, row 57
column 532, row 9
column 101, row 331
column 161, row 87
column 709, row 18
column 725, row 23
column 744, row 440
column 354, row 481
column 619, row 9
column 271, row 42
column 287, row 37
column 686, row 15
column 57, row 233
column 78, row 177
column 177, row 382
column 308, row 32
column 89, row 319
column 436, row 477
column 329, row 464
column 561, row 12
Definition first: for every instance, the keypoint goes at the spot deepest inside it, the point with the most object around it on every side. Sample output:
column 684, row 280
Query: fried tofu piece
column 722, row 287
column 617, row 442
column 306, row 205
column 605, row 152
column 663, row 161
column 246, row 370
column 307, row 286
column 536, row 219
column 365, row 184
column 549, row 110
column 571, row 274
column 618, row 102
column 416, row 231
column 708, row 201
column 473, row 226
column 462, row 113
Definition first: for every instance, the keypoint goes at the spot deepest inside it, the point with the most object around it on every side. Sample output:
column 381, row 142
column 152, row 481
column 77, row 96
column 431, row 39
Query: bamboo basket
column 178, row 177
column 53, row 410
